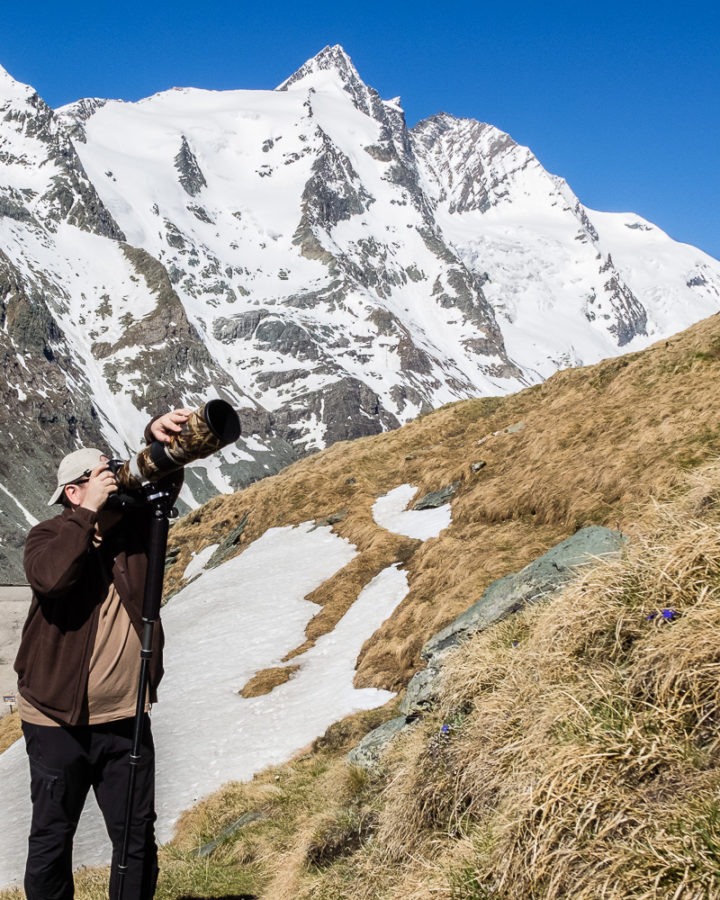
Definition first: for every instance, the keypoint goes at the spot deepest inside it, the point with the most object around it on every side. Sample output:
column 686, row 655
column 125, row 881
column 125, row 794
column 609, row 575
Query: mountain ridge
column 303, row 254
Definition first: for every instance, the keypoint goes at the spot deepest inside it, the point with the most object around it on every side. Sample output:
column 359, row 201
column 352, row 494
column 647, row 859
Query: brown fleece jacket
column 70, row 578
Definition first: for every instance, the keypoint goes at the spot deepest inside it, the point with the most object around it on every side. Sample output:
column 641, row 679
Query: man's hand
column 95, row 491
column 167, row 426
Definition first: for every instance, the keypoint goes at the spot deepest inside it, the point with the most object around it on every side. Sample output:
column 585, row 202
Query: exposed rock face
column 630, row 315
column 341, row 411
column 40, row 419
column 81, row 112
column 470, row 181
column 539, row 580
column 333, row 193
column 230, row 831
column 67, row 194
column 189, row 172
column 334, row 60
column 368, row 752
column 436, row 498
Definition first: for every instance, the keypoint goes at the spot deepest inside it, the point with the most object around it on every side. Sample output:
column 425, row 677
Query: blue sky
column 621, row 99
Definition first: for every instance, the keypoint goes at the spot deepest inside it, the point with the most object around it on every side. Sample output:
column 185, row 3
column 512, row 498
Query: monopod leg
column 151, row 611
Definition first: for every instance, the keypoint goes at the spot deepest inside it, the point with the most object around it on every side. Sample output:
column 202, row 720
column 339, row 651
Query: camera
column 207, row 430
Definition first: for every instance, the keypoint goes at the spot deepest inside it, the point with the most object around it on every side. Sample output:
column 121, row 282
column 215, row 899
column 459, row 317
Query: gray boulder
column 421, row 689
column 367, row 753
column 541, row 578
column 229, row 832
column 437, row 498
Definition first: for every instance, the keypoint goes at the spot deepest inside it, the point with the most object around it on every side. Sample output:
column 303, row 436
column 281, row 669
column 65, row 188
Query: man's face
column 76, row 490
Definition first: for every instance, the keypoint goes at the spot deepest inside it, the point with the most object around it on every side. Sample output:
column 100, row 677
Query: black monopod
column 207, row 429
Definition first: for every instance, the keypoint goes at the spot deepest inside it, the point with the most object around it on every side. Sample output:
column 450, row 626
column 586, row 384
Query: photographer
column 78, row 666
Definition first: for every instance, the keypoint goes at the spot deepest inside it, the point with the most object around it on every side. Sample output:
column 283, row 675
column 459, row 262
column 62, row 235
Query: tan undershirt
column 114, row 669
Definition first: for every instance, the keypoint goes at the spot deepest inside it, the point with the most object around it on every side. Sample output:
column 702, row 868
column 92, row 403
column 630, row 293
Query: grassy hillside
column 583, row 448
column 574, row 751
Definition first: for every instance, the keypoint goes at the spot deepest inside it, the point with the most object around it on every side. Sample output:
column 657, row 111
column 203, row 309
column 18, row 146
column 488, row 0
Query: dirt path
column 14, row 603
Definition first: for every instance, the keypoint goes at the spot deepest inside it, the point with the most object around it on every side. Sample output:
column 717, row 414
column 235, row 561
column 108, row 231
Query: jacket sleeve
column 56, row 552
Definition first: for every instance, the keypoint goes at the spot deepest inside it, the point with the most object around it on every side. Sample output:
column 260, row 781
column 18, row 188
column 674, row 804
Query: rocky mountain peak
column 473, row 161
column 13, row 90
column 329, row 59
column 81, row 110
column 434, row 127
column 332, row 64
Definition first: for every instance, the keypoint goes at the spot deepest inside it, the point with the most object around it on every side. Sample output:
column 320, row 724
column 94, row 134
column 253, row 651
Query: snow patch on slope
column 390, row 512
column 230, row 623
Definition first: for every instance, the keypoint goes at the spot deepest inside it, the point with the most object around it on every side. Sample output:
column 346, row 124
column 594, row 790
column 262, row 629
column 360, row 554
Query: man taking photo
column 78, row 666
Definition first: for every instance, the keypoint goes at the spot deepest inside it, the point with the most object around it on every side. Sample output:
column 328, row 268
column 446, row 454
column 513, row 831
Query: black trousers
column 65, row 762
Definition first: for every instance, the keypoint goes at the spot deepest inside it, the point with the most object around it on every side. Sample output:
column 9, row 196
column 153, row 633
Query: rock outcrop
column 538, row 581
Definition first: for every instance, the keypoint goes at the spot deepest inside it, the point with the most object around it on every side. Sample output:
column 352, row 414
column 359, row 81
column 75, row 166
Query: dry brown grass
column 596, row 441
column 581, row 758
column 10, row 730
column 263, row 682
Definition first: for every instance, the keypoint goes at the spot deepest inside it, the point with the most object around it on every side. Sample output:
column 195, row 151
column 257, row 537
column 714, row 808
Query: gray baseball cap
column 74, row 466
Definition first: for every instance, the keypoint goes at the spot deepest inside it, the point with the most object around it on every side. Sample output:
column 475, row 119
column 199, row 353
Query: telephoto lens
column 207, row 430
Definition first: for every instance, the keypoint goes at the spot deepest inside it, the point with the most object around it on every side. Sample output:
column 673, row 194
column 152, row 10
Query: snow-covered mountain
column 302, row 253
